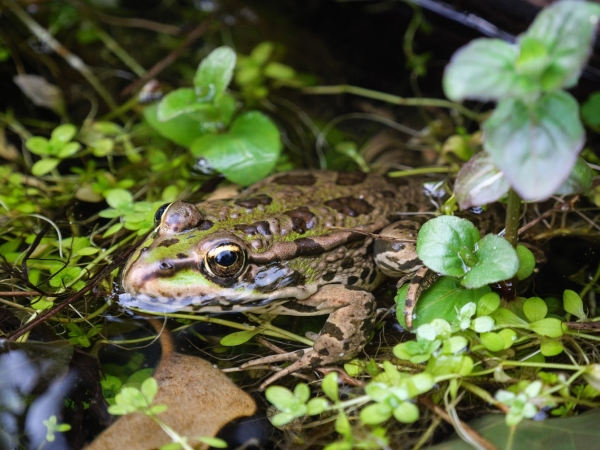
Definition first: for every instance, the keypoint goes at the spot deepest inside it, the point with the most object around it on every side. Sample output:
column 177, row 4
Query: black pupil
column 159, row 212
column 226, row 258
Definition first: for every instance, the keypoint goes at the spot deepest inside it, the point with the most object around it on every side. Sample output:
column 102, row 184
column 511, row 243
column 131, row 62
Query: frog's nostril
column 163, row 265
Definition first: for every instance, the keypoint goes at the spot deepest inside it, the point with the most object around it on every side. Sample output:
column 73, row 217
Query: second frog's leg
column 351, row 318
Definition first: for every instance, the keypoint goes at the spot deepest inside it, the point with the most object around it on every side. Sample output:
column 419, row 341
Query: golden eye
column 225, row 260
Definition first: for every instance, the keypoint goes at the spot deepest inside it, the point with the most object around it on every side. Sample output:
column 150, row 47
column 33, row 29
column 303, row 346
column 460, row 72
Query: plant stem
column 389, row 98
column 513, row 213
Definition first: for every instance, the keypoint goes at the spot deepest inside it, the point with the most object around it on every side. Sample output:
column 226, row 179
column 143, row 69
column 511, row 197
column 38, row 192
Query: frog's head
column 189, row 263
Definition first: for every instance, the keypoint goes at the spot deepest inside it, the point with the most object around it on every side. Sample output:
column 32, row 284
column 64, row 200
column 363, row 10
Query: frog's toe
column 290, row 356
column 309, row 360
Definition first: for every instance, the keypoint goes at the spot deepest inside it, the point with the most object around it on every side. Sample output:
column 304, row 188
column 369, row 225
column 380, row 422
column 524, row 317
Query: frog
column 301, row 243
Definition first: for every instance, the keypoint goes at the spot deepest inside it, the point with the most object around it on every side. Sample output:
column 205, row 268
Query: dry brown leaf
column 201, row 400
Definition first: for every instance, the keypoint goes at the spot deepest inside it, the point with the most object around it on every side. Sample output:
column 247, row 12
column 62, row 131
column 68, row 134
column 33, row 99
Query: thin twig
column 167, row 61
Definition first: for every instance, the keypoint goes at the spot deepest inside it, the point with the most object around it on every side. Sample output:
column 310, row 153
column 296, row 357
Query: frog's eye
column 159, row 213
column 225, row 260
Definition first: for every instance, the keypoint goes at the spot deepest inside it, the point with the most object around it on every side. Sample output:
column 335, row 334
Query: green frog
column 302, row 243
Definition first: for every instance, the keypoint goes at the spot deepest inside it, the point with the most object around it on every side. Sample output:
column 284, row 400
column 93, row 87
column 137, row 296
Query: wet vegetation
column 112, row 110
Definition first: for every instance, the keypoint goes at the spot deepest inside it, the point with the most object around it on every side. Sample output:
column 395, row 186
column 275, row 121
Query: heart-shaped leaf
column 444, row 244
column 247, row 153
column 497, row 261
column 535, row 147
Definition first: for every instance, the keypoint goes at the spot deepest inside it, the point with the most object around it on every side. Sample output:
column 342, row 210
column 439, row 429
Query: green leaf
column 38, row 145
column 279, row 71
column 238, row 338
column 69, row 149
column 455, row 344
column 492, row 341
column 566, row 29
column 482, row 324
column 590, row 110
column 479, row 182
column 118, row 198
column 579, row 181
column 498, row 261
column 43, row 166
column 329, row 385
column 302, row 392
column 506, row 318
column 535, row 147
column 549, row 347
column 182, row 130
column 487, row 304
column 375, row 414
column 63, row 134
column 484, row 70
column 247, row 153
column 214, row 73
column 262, row 52
column 450, row 365
column 441, row 300
column 549, row 327
column 535, row 309
column 149, row 389
column 526, row 262
column 445, row 242
column 180, row 101
column 533, row 57
column 281, row 419
column 281, row 397
column 212, row 441
column 573, row 304
column 317, row 406
column 509, row 336
column 406, row 412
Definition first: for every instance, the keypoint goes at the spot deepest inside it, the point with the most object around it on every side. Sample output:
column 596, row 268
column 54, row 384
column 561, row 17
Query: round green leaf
column 482, row 324
column 69, row 149
column 509, row 335
column 118, row 198
column 180, row 101
column 43, row 166
column 63, row 133
column 498, row 261
column 535, row 309
column 487, row 304
column 247, row 153
column 526, row 262
column 281, row 397
column 484, row 70
column 38, row 145
column 406, row 412
column 443, row 243
column 316, row 406
column 535, row 147
column 479, row 182
column 182, row 130
column 492, row 341
column 375, row 414
column 549, row 347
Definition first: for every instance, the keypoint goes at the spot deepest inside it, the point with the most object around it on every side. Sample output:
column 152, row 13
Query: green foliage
column 60, row 146
column 451, row 246
column 52, row 427
column 244, row 149
column 536, row 122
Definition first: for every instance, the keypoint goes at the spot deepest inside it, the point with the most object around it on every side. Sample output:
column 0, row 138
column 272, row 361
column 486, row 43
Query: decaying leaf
column 201, row 400
column 41, row 93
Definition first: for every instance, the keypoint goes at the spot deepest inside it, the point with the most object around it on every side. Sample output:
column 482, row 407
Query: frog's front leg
column 351, row 318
